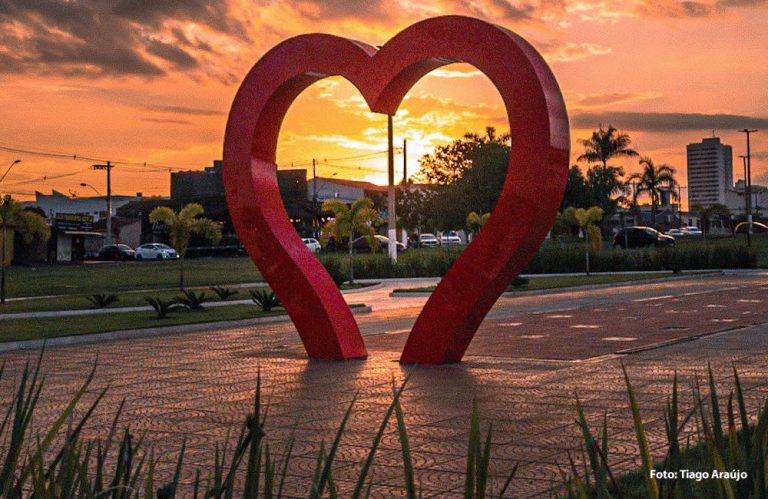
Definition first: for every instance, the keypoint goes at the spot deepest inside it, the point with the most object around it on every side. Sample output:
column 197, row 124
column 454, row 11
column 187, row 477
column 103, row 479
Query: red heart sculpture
column 533, row 188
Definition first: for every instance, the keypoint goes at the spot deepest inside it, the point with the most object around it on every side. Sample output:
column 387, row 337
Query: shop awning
column 83, row 233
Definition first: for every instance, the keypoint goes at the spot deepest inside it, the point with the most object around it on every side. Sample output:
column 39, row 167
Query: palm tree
column 604, row 145
column 653, row 181
column 183, row 225
column 360, row 218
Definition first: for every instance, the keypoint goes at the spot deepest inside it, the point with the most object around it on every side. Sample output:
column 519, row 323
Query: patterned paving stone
column 524, row 379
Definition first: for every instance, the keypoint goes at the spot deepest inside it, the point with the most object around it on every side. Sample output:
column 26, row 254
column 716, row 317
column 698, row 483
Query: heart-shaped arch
column 531, row 195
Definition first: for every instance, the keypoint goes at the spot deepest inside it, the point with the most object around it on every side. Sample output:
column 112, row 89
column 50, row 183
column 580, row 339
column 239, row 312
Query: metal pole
column 746, row 200
column 392, row 226
column 109, row 203
column 316, row 223
column 405, row 163
column 748, row 192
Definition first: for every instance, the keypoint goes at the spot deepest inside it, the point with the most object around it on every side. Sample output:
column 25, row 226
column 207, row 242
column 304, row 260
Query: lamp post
column 9, row 168
column 746, row 200
column 748, row 192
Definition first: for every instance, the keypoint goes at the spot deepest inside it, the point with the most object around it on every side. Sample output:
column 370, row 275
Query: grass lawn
column 562, row 282
column 32, row 329
column 127, row 299
column 115, row 277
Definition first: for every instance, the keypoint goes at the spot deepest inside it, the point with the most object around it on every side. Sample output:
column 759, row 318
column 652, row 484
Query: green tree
column 469, row 174
column 578, row 192
column 28, row 224
column 182, row 225
column 585, row 219
column 654, row 180
column 360, row 218
column 476, row 221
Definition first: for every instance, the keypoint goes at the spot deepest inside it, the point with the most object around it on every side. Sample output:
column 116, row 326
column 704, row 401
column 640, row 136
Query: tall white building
column 710, row 171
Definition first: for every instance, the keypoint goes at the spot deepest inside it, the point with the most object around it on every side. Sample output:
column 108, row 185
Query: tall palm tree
column 653, row 181
column 183, row 224
column 601, row 147
column 360, row 218
column 605, row 145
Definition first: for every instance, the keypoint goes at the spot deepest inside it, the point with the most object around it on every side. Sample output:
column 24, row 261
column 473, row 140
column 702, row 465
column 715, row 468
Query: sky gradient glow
column 141, row 81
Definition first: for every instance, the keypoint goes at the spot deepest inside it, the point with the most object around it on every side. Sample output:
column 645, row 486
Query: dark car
column 756, row 227
column 114, row 252
column 640, row 237
column 361, row 244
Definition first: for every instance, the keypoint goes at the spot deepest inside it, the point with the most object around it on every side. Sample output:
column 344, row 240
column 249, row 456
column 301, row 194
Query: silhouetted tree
column 654, row 180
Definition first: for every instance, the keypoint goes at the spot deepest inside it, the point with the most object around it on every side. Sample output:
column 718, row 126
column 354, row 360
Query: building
column 57, row 203
column 710, row 172
column 735, row 200
column 204, row 187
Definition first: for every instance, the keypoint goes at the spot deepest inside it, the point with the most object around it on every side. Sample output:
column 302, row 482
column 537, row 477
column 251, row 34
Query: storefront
column 73, row 239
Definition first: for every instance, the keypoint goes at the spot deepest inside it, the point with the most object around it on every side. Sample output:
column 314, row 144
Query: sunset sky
column 152, row 81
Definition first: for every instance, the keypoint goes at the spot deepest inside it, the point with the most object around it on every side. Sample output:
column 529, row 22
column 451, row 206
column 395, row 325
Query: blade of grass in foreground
column 642, row 443
column 377, row 439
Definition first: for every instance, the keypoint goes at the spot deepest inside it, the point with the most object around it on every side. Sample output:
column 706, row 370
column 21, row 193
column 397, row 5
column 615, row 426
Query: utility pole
column 108, row 167
column 404, row 232
column 405, row 161
column 746, row 199
column 392, row 226
column 748, row 191
column 316, row 223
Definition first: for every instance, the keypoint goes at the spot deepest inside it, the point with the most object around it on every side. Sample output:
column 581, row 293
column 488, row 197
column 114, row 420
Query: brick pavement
column 202, row 384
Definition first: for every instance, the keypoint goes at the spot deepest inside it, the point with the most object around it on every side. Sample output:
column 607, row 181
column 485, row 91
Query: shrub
column 334, row 267
column 224, row 293
column 264, row 298
column 192, row 300
column 519, row 282
column 101, row 300
column 163, row 307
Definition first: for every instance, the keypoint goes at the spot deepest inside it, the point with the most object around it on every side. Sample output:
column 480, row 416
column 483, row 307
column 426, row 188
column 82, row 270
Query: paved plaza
column 529, row 358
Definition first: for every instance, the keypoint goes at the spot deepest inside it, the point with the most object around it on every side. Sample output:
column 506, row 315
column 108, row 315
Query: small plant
column 265, row 299
column 101, row 300
column 192, row 300
column 163, row 307
column 224, row 293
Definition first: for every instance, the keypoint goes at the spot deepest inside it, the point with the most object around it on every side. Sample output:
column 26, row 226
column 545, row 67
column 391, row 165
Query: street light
column 748, row 192
column 83, row 184
column 9, row 168
column 747, row 200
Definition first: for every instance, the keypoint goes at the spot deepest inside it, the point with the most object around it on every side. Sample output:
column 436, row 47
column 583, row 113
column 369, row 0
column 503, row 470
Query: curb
column 534, row 292
column 126, row 334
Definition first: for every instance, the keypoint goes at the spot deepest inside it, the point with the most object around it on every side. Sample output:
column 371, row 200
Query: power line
column 81, row 157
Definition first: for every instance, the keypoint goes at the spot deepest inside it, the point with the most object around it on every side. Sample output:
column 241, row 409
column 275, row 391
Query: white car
column 427, row 240
column 675, row 232
column 450, row 237
column 312, row 244
column 156, row 251
column 692, row 231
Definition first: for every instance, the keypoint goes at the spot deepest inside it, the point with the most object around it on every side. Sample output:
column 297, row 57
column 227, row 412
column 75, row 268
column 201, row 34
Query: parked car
column 675, row 232
column 450, row 237
column 428, row 240
column 113, row 252
column 640, row 237
column 361, row 244
column 756, row 227
column 692, row 231
column 155, row 251
column 312, row 244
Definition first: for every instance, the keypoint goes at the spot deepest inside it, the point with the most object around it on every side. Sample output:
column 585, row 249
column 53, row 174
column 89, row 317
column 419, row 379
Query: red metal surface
column 532, row 190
